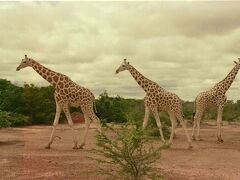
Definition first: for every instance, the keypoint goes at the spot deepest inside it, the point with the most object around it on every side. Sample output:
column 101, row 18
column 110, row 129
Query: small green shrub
column 8, row 119
column 126, row 153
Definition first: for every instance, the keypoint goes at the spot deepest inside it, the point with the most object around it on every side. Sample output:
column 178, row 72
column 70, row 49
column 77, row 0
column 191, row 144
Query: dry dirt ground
column 22, row 155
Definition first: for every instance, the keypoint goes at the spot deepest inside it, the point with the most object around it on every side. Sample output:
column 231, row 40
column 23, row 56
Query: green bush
column 8, row 119
column 112, row 109
column 126, row 153
column 188, row 109
column 11, row 97
column 39, row 104
column 4, row 122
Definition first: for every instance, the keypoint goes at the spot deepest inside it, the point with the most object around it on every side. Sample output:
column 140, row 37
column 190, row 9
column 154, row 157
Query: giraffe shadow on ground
column 180, row 149
column 13, row 142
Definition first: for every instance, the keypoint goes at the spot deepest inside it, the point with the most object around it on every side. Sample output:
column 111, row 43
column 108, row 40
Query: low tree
column 126, row 153
column 39, row 104
column 11, row 97
column 112, row 109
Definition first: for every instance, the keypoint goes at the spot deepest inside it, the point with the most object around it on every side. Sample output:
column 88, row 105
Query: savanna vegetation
column 126, row 153
column 29, row 104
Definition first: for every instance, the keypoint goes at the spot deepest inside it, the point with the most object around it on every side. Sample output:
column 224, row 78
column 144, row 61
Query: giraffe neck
column 144, row 82
column 227, row 81
column 49, row 75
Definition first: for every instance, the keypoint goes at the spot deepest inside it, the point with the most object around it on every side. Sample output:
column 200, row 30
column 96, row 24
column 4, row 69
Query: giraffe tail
column 194, row 109
column 95, row 107
column 183, row 115
column 193, row 114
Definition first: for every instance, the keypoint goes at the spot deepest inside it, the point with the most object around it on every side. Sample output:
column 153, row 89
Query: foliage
column 126, row 153
column 111, row 109
column 3, row 120
column 8, row 119
column 231, row 111
column 39, row 104
column 11, row 97
column 188, row 109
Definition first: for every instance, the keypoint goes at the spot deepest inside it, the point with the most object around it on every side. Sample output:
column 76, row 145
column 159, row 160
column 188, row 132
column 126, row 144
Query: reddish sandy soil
column 22, row 155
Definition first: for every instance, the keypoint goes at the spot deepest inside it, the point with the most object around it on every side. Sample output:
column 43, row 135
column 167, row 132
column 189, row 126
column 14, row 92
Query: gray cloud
column 186, row 47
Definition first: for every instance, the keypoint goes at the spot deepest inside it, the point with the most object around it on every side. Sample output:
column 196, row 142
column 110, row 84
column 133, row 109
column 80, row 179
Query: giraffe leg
column 184, row 125
column 55, row 123
column 198, row 138
column 69, row 118
column 196, row 124
column 176, row 124
column 89, row 116
column 158, row 121
column 219, row 122
column 173, row 121
column 87, row 125
column 146, row 117
column 94, row 118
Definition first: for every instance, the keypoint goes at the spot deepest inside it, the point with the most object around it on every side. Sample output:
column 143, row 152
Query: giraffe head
column 124, row 66
column 24, row 63
column 237, row 63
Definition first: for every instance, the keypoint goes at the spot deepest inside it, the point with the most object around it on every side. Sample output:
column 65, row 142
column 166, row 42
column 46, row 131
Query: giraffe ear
column 235, row 62
column 239, row 59
column 125, row 60
column 26, row 56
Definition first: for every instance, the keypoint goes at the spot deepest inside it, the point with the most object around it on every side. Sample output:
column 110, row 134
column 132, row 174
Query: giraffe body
column 210, row 98
column 215, row 97
column 67, row 94
column 158, row 99
column 164, row 100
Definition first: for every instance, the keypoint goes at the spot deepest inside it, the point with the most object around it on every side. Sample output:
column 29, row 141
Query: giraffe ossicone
column 215, row 97
column 157, row 99
column 67, row 93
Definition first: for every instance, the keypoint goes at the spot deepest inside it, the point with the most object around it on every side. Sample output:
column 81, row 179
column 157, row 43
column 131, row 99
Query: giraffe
column 67, row 93
column 157, row 99
column 214, row 97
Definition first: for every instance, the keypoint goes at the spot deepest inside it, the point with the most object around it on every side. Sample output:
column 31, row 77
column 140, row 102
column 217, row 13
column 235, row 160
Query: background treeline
column 30, row 105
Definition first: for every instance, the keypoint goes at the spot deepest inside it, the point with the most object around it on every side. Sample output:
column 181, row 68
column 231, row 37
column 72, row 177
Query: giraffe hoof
column 163, row 140
column 47, row 147
column 190, row 147
column 169, row 143
column 193, row 138
column 75, row 147
column 220, row 141
column 165, row 146
column 198, row 139
column 81, row 146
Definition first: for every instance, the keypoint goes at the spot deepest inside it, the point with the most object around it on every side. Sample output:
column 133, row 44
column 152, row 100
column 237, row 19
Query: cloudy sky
column 186, row 47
